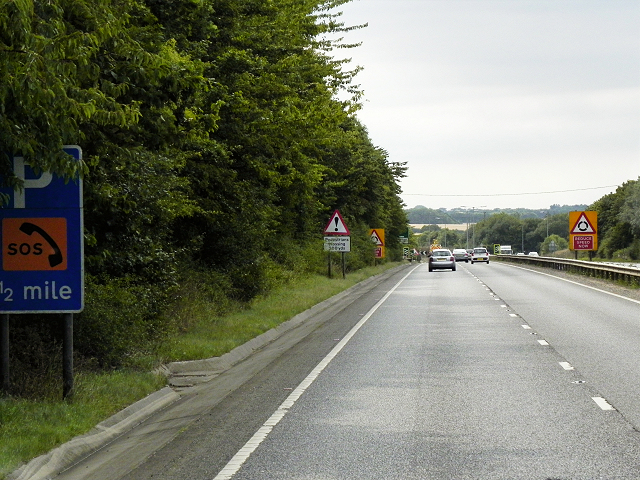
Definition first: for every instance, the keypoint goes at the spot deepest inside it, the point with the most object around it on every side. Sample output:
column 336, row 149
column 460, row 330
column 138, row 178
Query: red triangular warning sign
column 582, row 226
column 375, row 238
column 336, row 225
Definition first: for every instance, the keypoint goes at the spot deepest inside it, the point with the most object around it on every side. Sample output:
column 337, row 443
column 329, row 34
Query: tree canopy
column 216, row 135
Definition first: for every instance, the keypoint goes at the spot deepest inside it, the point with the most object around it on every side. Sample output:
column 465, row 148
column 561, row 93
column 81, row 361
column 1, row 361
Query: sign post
column 377, row 237
column 4, row 352
column 337, row 244
column 42, row 256
column 42, row 267
column 337, row 227
column 583, row 231
column 404, row 238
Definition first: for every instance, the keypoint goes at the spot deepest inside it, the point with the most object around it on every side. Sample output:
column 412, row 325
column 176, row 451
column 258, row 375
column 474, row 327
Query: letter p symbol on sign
column 19, row 171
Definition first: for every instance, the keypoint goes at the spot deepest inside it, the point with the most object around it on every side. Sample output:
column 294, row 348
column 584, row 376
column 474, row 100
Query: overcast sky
column 492, row 103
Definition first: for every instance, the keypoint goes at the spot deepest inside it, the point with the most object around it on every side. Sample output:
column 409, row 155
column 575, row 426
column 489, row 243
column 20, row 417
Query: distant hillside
column 424, row 215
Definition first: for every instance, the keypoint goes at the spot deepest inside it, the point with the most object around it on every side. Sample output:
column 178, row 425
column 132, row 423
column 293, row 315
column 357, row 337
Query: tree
column 259, row 179
column 552, row 244
column 533, row 235
column 616, row 220
column 213, row 137
column 630, row 210
column 49, row 82
column 502, row 228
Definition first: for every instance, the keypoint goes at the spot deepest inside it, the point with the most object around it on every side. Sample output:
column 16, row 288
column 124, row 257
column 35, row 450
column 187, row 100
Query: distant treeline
column 218, row 138
column 424, row 215
column 543, row 231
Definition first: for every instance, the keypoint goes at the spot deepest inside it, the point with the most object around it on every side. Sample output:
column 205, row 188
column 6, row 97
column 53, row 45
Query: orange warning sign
column 377, row 236
column 583, row 230
column 34, row 244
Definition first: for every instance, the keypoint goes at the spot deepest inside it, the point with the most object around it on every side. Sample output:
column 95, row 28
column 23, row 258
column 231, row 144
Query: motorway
column 490, row 372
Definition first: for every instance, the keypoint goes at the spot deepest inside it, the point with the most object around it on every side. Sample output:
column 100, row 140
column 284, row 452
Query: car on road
column 442, row 258
column 480, row 254
column 461, row 255
column 533, row 254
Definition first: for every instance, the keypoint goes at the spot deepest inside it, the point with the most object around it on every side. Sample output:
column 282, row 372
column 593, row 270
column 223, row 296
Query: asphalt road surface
column 490, row 372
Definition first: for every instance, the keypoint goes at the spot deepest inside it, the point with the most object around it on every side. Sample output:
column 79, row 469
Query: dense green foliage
column 619, row 222
column 216, row 142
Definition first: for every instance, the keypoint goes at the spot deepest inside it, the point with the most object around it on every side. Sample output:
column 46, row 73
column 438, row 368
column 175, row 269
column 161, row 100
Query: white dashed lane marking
column 602, row 403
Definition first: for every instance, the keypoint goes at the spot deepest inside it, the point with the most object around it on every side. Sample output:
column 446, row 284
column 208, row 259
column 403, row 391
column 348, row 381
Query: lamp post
column 470, row 222
column 464, row 206
column 546, row 217
column 445, row 232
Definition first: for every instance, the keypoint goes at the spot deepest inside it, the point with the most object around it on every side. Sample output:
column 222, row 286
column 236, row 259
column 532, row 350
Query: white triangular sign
column 336, row 225
column 583, row 225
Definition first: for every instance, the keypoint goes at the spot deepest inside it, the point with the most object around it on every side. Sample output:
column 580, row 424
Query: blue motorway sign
column 42, row 261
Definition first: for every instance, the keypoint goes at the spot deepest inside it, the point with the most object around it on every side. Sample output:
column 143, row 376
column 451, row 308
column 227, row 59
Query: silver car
column 442, row 258
column 480, row 254
column 461, row 255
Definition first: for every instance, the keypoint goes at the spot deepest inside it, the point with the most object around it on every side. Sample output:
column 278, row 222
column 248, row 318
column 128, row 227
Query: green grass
column 212, row 336
column 31, row 428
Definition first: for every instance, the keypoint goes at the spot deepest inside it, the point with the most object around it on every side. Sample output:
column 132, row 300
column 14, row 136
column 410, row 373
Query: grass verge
column 31, row 428
column 213, row 336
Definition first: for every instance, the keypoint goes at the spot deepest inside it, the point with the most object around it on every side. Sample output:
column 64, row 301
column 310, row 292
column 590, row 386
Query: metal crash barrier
column 616, row 273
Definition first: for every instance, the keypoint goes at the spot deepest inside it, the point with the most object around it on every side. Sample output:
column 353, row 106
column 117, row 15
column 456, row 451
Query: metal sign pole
column 46, row 215
column 67, row 357
column 4, row 352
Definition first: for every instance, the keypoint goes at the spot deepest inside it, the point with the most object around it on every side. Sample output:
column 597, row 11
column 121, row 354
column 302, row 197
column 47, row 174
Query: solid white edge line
column 575, row 283
column 234, row 465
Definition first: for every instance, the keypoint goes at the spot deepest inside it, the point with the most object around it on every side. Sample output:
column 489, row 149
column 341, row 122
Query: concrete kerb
column 211, row 367
column 59, row 459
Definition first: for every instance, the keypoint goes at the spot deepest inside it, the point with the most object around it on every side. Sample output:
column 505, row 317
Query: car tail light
column 452, row 259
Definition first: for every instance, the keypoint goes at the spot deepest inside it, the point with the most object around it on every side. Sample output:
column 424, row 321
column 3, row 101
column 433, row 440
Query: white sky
column 491, row 101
